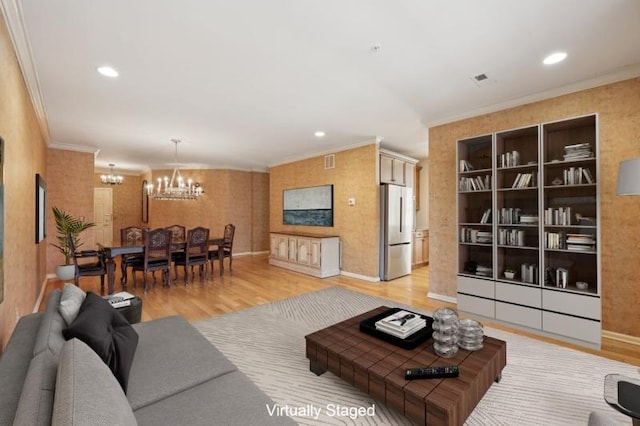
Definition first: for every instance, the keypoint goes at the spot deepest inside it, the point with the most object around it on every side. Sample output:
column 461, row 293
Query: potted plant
column 67, row 225
column 510, row 273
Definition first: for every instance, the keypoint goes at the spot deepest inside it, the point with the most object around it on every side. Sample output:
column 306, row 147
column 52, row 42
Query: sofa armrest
column 14, row 365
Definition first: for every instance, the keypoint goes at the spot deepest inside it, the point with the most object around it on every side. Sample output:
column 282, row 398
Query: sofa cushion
column 14, row 365
column 70, row 302
column 171, row 357
column 87, row 392
column 108, row 333
column 230, row 399
column 36, row 399
column 49, row 335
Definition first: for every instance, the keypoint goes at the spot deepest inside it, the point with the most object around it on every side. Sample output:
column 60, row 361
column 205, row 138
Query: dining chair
column 87, row 269
column 157, row 256
column 195, row 253
column 227, row 249
column 178, row 233
column 130, row 235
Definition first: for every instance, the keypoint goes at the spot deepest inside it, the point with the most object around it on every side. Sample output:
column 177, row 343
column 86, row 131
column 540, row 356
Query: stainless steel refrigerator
column 396, row 218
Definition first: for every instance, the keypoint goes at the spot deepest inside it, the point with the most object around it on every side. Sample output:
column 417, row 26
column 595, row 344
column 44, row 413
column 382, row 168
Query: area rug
column 542, row 384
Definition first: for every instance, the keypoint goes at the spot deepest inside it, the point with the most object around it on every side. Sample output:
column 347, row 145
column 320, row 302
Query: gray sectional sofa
column 176, row 378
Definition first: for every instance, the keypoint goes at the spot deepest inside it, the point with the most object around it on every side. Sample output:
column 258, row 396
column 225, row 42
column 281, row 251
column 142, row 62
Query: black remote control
column 431, row 372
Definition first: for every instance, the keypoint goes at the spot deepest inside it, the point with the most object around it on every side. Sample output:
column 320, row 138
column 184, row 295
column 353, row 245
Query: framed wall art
column 311, row 206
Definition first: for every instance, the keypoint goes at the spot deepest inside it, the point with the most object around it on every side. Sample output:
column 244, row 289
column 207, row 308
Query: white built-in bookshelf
column 528, row 228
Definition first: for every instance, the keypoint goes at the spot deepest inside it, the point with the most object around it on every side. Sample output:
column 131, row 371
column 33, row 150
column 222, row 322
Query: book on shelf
column 465, row 166
column 577, row 176
column 588, row 176
column 562, row 277
column 524, row 180
column 486, row 216
column 579, row 151
column 511, row 237
column 401, row 324
column 478, row 183
column 555, row 240
column 470, row 235
column 484, row 271
column 581, row 242
column 509, row 159
column 557, row 216
column 529, row 273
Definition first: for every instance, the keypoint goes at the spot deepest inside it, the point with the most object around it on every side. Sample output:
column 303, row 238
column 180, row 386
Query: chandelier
column 176, row 188
column 111, row 179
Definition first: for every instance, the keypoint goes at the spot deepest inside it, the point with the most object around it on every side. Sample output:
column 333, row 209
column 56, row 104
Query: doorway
column 103, row 215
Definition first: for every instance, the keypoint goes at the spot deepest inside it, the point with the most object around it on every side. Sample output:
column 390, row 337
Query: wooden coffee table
column 377, row 368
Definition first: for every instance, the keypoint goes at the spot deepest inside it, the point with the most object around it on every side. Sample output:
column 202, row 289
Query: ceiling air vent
column 482, row 80
column 330, row 161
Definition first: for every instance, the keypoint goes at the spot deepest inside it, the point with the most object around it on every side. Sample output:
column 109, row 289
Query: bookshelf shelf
column 540, row 209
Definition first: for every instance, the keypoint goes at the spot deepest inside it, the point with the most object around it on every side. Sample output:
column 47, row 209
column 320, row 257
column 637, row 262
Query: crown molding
column 72, row 147
column 15, row 23
column 293, row 159
column 626, row 73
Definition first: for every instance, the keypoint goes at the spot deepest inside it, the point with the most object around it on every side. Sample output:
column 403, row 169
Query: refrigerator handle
column 401, row 214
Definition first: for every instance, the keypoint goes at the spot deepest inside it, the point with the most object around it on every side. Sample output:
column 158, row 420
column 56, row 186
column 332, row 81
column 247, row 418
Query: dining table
column 112, row 252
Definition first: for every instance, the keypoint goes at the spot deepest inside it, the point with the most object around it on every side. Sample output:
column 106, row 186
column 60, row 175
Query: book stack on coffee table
column 401, row 324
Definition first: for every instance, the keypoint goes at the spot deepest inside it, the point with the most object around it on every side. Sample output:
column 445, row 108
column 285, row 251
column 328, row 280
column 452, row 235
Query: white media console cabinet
column 309, row 254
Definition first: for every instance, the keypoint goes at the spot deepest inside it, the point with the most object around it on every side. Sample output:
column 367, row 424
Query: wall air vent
column 329, row 161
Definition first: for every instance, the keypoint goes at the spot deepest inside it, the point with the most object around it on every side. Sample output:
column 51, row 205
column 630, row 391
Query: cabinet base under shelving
column 489, row 320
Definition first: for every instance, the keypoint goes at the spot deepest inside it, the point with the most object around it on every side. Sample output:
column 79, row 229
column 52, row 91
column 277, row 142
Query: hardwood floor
column 254, row 282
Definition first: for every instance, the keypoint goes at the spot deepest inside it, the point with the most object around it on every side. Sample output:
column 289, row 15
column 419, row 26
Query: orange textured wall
column 618, row 106
column 229, row 197
column 70, row 188
column 358, row 227
column 24, row 261
column 260, row 209
column 127, row 202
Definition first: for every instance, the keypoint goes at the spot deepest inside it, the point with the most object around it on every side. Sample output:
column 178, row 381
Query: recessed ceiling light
column 108, row 71
column 554, row 58
column 319, row 134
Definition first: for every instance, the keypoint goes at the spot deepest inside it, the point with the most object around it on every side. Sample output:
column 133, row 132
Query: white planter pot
column 65, row 272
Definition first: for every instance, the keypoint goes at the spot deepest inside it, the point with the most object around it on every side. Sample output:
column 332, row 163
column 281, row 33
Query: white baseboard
column 360, row 277
column 442, row 297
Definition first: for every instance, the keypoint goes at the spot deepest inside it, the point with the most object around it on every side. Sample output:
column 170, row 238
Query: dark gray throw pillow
column 108, row 333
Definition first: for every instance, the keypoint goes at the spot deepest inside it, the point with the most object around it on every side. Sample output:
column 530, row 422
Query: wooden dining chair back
column 157, row 256
column 178, row 232
column 227, row 249
column 130, row 236
column 196, row 253
column 94, row 268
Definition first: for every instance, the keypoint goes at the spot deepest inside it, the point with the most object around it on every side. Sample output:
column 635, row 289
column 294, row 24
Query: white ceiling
column 245, row 83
